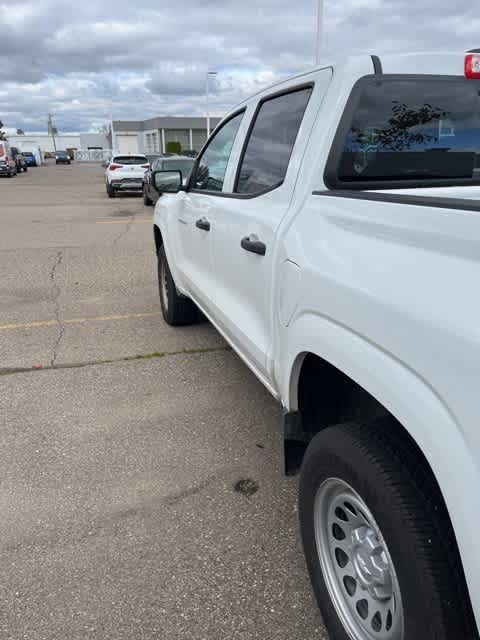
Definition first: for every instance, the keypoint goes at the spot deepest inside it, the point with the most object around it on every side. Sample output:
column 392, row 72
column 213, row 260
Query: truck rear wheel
column 176, row 309
column 379, row 545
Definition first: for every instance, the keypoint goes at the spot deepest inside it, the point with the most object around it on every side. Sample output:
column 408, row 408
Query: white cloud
column 150, row 58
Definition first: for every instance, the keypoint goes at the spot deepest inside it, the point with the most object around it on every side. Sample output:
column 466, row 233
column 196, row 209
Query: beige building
column 152, row 136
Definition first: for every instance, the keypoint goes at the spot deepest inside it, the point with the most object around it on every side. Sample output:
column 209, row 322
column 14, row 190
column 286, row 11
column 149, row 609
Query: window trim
column 271, row 96
column 330, row 174
column 249, row 196
column 217, row 130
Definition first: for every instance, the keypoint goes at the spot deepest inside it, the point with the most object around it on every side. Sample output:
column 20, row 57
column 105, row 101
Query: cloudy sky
column 78, row 60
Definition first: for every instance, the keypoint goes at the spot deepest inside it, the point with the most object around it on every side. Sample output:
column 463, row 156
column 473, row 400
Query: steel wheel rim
column 164, row 284
column 356, row 564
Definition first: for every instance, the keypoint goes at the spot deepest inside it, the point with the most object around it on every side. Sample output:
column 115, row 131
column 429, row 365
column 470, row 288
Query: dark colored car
column 151, row 157
column 30, row 158
column 173, row 163
column 62, row 157
column 21, row 162
column 8, row 168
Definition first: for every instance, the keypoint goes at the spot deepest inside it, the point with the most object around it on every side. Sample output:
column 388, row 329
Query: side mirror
column 167, row 181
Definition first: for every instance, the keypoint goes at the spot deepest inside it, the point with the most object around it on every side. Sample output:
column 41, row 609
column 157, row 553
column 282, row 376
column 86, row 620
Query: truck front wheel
column 176, row 309
column 378, row 541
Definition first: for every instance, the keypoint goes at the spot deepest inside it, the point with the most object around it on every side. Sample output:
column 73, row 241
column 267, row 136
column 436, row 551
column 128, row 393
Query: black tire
column 147, row 201
column 110, row 191
column 177, row 310
column 25, row 169
column 380, row 463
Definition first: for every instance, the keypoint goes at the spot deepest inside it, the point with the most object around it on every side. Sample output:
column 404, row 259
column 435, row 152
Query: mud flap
column 295, row 441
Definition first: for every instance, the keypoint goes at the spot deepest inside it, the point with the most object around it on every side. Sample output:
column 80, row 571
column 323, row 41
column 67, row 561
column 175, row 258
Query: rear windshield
column 184, row 166
column 411, row 129
column 130, row 160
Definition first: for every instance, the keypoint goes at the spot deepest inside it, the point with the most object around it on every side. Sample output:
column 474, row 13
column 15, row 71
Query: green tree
column 174, row 147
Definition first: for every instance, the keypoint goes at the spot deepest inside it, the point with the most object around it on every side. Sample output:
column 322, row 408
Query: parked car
column 62, row 157
column 21, row 163
column 151, row 157
column 30, row 158
column 331, row 232
column 174, row 163
column 7, row 163
column 125, row 173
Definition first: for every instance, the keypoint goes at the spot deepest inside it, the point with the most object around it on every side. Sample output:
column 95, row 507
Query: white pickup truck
column 330, row 230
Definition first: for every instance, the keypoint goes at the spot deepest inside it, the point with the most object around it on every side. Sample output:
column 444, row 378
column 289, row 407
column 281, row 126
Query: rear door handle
column 203, row 223
column 252, row 244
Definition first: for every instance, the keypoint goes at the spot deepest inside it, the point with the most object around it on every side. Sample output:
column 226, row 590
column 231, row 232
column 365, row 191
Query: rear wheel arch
column 322, row 396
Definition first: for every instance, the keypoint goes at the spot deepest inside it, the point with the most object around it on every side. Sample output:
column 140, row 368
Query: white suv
column 125, row 173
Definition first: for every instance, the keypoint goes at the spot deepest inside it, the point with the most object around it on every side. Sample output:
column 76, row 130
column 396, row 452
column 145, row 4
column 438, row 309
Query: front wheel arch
column 157, row 236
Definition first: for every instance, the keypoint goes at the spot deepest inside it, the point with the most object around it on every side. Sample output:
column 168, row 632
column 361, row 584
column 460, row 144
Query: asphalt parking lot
column 122, row 442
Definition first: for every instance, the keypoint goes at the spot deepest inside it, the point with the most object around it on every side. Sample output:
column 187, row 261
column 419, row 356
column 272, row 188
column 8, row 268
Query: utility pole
column 318, row 41
column 209, row 73
column 111, row 122
column 52, row 131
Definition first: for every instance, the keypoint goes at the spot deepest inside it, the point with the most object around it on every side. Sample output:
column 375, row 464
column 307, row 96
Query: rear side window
column 271, row 140
column 410, row 129
column 130, row 160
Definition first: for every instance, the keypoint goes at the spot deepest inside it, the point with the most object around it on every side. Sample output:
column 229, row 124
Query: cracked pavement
column 56, row 311
column 124, row 442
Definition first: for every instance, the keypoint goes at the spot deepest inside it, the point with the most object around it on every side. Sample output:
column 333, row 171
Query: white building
column 150, row 136
column 63, row 141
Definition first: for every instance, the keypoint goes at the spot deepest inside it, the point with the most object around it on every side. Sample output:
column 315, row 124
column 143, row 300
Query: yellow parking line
column 52, row 323
column 126, row 221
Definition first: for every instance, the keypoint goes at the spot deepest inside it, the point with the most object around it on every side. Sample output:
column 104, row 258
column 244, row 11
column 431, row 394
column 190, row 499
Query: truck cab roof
column 352, row 68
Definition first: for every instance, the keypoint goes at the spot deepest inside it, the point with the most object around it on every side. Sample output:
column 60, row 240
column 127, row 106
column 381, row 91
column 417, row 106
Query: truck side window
column 212, row 165
column 270, row 144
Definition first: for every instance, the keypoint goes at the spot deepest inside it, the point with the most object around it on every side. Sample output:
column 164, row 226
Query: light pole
column 52, row 131
column 209, row 73
column 319, row 31
column 109, row 93
column 111, row 124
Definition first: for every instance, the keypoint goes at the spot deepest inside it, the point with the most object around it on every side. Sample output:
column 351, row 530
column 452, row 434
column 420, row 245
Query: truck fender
column 410, row 399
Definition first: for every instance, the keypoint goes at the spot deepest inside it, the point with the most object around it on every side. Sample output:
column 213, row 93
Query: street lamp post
column 111, row 125
column 319, row 31
column 209, row 73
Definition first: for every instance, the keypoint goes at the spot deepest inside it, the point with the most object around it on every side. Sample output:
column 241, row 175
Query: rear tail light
column 114, row 166
column 472, row 65
column 145, row 166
